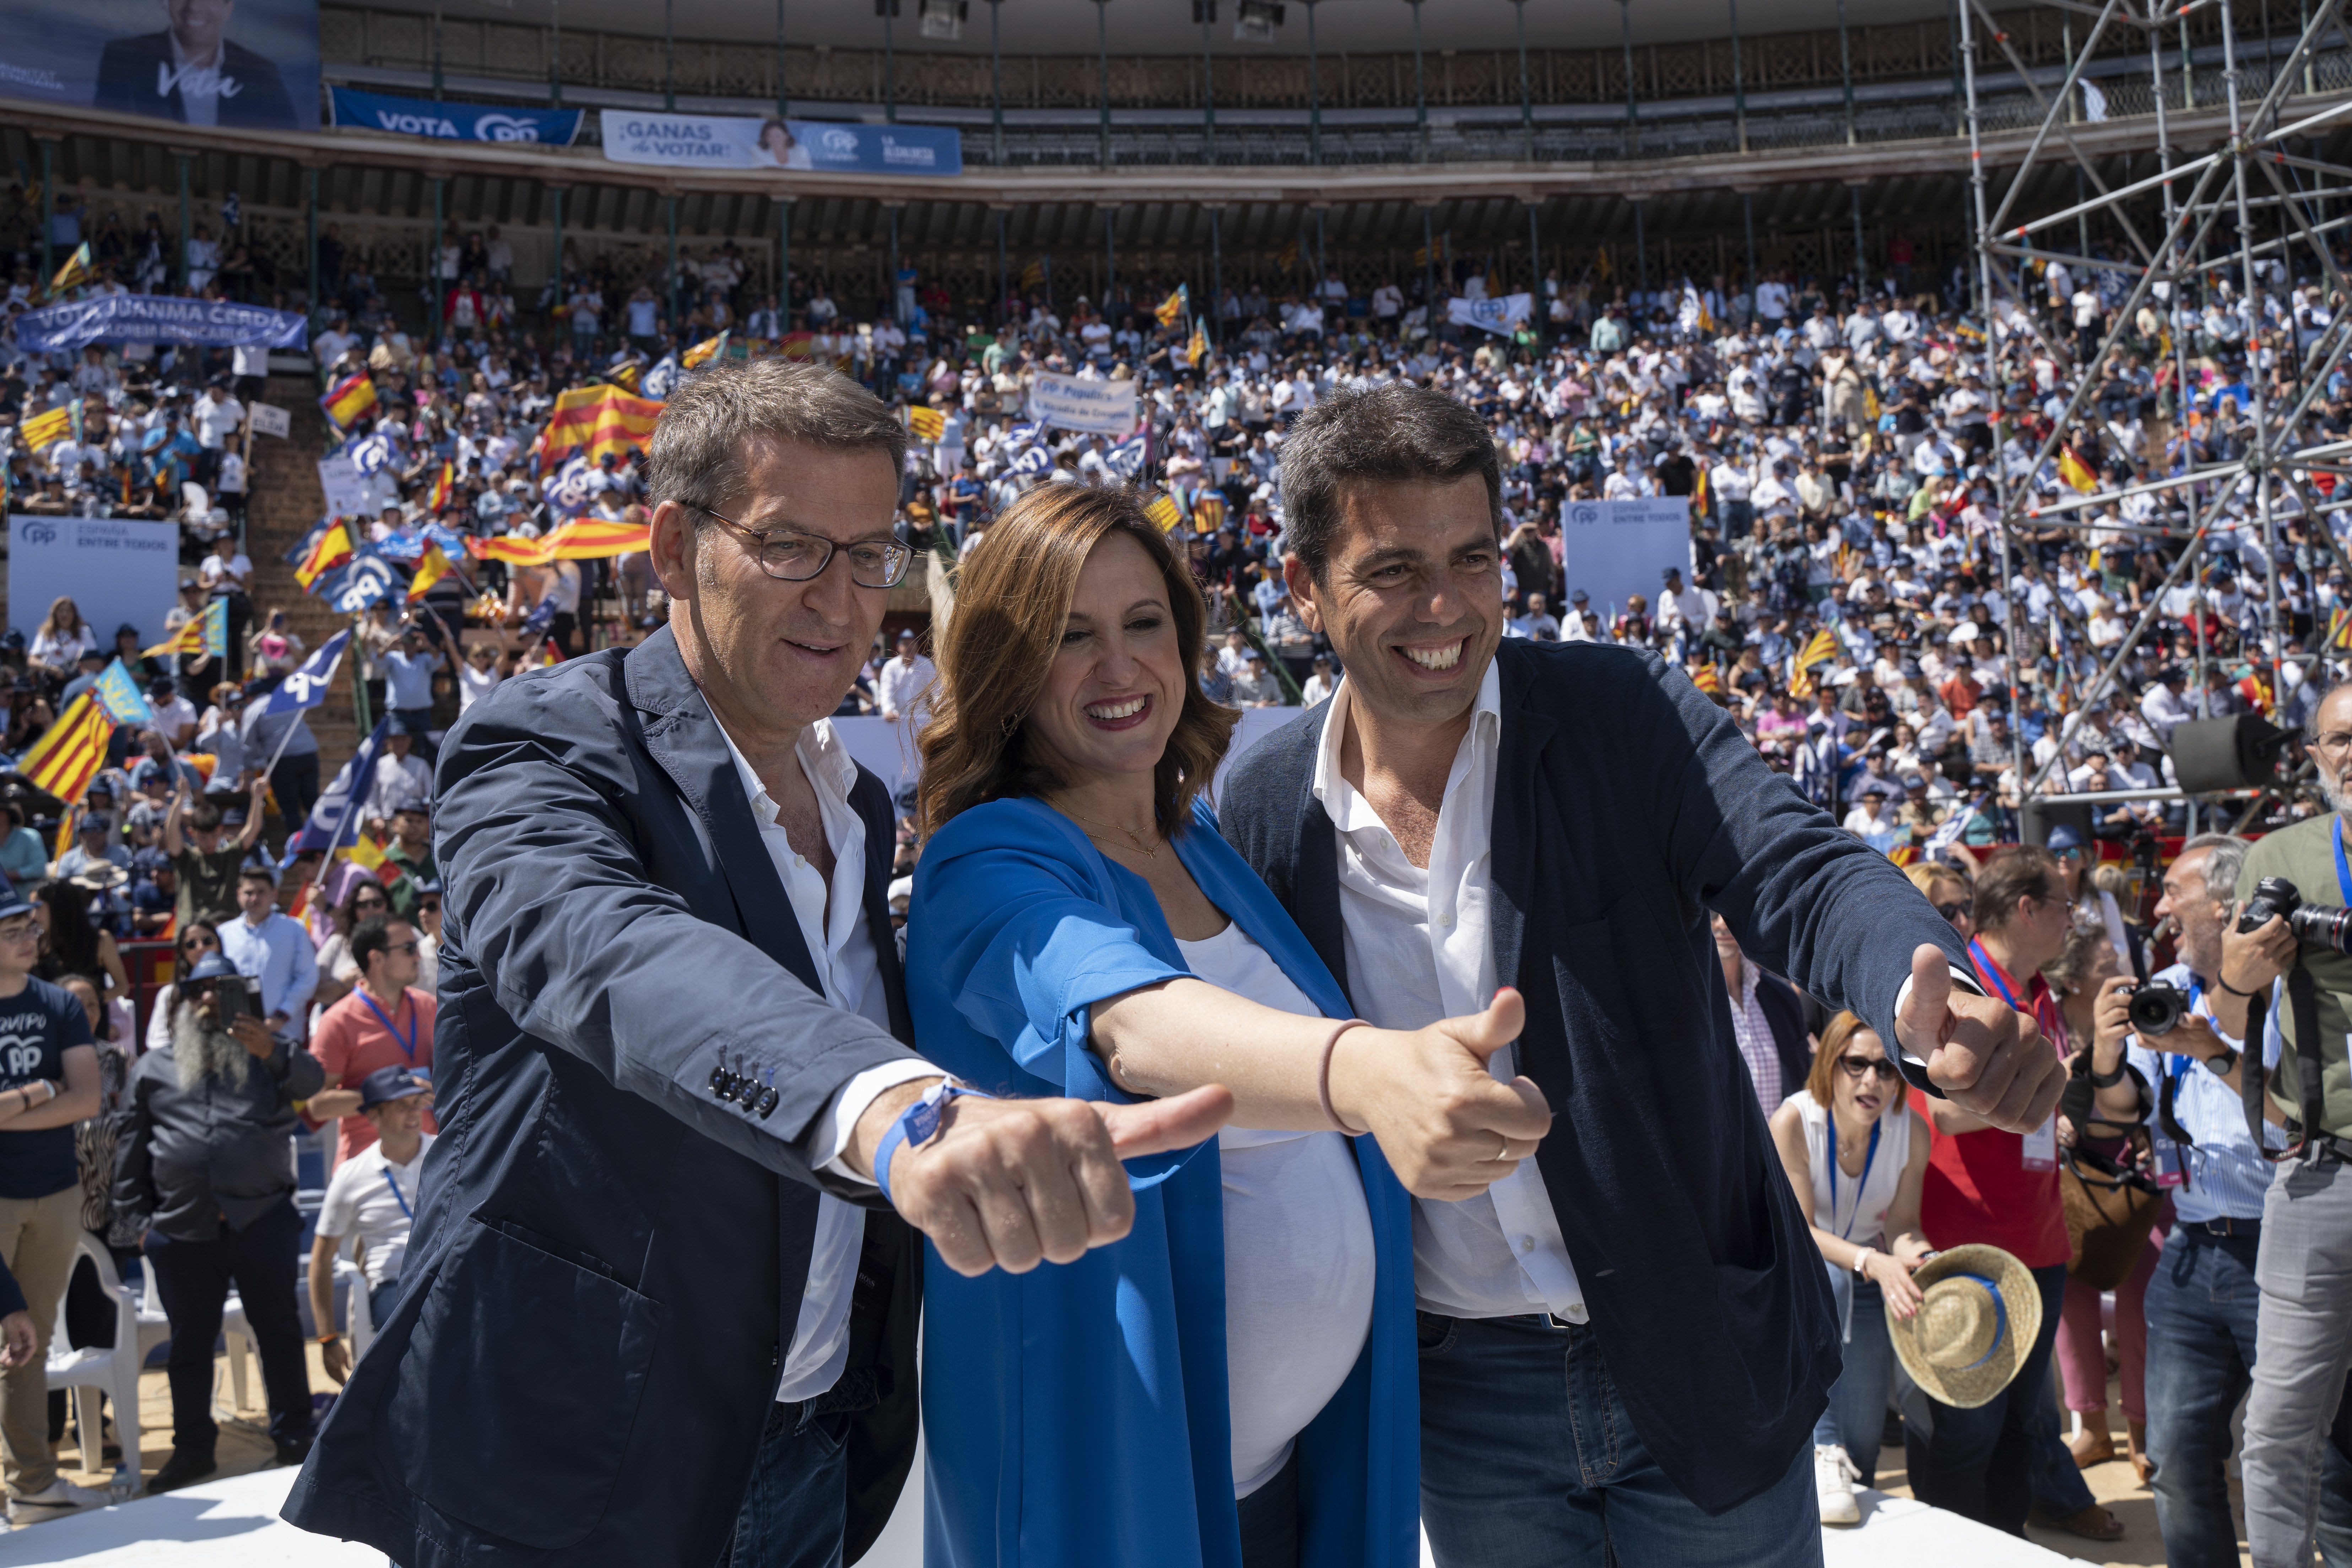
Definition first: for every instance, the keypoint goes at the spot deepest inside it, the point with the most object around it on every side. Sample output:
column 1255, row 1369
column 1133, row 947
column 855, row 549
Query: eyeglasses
column 194, row 942
column 2335, row 743
column 400, row 947
column 370, row 904
column 798, row 557
column 1856, row 1068
column 1954, row 913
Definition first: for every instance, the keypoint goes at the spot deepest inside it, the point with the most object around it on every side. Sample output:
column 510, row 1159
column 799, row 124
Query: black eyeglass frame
column 899, row 556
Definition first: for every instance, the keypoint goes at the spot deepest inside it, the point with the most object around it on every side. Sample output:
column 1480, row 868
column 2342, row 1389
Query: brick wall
column 285, row 501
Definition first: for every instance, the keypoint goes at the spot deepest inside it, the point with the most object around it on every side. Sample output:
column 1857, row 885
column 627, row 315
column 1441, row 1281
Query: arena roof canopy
column 1171, row 26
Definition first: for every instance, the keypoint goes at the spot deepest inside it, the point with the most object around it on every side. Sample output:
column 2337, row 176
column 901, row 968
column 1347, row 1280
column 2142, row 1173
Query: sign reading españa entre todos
column 746, row 141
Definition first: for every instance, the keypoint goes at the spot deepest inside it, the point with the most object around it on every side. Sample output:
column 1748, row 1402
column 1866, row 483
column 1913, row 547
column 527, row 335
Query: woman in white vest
column 1850, row 1148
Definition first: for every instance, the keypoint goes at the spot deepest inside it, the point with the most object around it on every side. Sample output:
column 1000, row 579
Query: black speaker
column 2047, row 812
column 2241, row 752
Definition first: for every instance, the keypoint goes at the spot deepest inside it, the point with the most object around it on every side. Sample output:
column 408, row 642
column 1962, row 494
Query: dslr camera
column 2156, row 1008
column 2318, row 925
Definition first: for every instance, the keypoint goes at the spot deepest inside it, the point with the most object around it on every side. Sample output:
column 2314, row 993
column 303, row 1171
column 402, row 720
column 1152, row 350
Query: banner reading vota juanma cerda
column 356, row 110
column 240, row 65
column 744, row 142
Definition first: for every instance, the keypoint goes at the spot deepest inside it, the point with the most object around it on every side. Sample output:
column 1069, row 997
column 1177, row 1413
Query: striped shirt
column 2226, row 1178
column 1754, row 1033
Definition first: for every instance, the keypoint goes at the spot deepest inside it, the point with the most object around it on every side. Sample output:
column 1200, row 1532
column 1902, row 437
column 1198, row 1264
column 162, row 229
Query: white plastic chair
column 88, row 1370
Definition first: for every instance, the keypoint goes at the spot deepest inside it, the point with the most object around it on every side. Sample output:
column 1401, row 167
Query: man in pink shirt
column 385, row 1022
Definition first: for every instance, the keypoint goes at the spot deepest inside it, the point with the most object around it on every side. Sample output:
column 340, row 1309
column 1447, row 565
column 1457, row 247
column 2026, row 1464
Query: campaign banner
column 1502, row 317
column 749, row 142
column 1078, row 402
column 357, row 111
column 1615, row 549
column 117, row 571
column 157, row 319
column 250, row 66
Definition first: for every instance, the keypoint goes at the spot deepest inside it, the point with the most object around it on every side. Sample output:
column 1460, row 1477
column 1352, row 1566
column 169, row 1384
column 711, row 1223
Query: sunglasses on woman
column 195, row 941
column 1952, row 914
column 1856, row 1068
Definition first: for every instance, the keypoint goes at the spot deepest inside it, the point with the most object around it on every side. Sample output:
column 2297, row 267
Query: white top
column 1298, row 1249
column 473, row 685
column 1417, row 951
column 372, row 1198
column 906, row 687
column 1853, row 1210
column 842, row 948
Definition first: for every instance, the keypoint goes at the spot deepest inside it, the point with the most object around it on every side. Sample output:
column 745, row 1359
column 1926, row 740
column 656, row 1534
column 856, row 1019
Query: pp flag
column 660, row 380
column 368, row 578
column 121, row 697
column 1126, row 459
column 349, row 401
column 369, row 454
column 336, row 814
column 62, row 762
column 307, row 687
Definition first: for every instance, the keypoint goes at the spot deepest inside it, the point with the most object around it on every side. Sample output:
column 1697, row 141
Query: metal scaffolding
column 2171, row 233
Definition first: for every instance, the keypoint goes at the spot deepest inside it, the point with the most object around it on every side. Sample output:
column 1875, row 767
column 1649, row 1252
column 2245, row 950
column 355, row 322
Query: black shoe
column 294, row 1453
column 184, row 1468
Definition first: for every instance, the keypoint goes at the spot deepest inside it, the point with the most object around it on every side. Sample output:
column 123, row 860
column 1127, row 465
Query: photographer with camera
column 2285, row 960
column 205, row 1166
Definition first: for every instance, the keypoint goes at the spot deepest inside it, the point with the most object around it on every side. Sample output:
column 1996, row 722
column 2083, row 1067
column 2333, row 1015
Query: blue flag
column 335, row 819
column 121, row 697
column 307, row 687
column 366, row 578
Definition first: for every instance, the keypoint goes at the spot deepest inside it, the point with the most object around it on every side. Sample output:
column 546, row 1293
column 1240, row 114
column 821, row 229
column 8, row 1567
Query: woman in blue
column 1233, row 1385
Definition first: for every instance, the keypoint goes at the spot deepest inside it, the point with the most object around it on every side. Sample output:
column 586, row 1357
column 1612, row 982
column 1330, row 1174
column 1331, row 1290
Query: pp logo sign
column 1584, row 514
column 22, row 1056
column 505, row 128
column 40, row 534
column 839, row 143
column 304, row 688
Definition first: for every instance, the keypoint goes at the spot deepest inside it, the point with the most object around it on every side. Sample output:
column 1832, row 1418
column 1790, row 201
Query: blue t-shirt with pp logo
column 38, row 1027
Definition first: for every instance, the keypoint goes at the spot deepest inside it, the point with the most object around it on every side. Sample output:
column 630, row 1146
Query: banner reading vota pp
column 240, row 65
column 357, row 111
column 821, row 146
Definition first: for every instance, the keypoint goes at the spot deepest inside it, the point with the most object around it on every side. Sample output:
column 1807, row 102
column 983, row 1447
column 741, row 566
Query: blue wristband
column 918, row 1125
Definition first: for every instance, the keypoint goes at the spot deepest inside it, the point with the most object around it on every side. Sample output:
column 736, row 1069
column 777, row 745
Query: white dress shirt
column 1418, row 949
column 841, row 945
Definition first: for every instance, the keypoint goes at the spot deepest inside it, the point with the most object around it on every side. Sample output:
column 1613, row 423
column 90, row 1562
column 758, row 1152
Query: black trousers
column 194, row 1277
column 295, row 780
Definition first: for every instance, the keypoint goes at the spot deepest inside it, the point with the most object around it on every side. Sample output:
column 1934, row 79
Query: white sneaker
column 56, row 1500
column 1834, row 1479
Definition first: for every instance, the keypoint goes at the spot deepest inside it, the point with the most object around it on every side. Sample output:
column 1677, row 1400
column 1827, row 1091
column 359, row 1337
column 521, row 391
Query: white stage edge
column 235, row 1524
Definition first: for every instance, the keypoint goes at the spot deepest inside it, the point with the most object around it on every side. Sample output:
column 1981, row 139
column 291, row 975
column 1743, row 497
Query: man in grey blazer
column 655, row 1309
column 1625, row 1342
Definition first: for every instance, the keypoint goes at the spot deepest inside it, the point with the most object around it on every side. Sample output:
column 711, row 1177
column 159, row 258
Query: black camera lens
column 2157, row 1009
column 2322, row 925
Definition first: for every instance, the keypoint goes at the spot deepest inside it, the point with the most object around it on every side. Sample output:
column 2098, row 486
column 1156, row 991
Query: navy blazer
column 608, row 1260
column 1626, row 806
column 131, row 69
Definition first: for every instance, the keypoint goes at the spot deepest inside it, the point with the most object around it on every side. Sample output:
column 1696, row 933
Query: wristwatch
column 2224, row 1062
column 331, row 1339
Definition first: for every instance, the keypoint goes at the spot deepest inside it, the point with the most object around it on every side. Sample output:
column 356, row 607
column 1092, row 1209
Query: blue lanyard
column 1984, row 966
column 2181, row 1064
column 1860, row 1183
column 408, row 1045
column 2343, row 871
column 409, row 1214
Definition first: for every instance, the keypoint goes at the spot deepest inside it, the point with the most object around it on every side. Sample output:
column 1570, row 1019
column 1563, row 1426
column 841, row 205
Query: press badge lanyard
column 1861, row 1185
column 2037, row 1150
column 407, row 1046
column 406, row 1213
column 2343, row 869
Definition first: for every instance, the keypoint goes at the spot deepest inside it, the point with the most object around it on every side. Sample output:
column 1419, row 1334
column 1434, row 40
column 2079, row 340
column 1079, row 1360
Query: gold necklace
column 1148, row 851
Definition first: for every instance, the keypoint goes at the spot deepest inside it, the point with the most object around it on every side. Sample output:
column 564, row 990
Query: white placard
column 117, row 571
column 270, row 420
column 348, row 493
column 1079, row 403
column 1613, row 548
column 1502, row 317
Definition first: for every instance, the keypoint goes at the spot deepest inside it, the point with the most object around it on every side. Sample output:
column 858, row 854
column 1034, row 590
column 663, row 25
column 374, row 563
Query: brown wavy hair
column 1822, row 1075
column 1012, row 603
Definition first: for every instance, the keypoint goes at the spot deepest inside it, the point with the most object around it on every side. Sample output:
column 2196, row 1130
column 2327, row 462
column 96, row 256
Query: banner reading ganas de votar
column 744, row 141
column 1079, row 403
column 1502, row 317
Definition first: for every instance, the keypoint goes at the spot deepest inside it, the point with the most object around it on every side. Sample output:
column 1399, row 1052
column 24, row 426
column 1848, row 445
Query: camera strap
column 2303, row 996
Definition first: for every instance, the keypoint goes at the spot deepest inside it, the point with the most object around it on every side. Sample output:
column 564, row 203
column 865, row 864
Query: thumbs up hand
column 1449, row 1127
column 1989, row 1059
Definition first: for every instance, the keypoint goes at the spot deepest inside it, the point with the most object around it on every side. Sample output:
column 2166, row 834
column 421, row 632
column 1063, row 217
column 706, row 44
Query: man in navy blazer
column 1625, row 1342
column 193, row 73
column 655, row 1310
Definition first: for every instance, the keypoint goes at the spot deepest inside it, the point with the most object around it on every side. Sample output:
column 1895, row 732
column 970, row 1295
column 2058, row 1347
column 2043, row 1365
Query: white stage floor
column 234, row 1524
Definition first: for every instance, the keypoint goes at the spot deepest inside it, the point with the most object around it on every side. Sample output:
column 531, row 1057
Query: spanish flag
column 369, row 857
column 431, row 567
column 62, row 762
column 703, row 353
column 350, row 400
column 76, row 272
column 1821, row 649
column 44, row 430
column 926, row 424
column 443, row 482
column 206, row 634
column 2339, row 628
column 329, row 551
column 1164, row 512
column 796, row 345
column 2076, row 472
column 1180, row 303
column 601, row 418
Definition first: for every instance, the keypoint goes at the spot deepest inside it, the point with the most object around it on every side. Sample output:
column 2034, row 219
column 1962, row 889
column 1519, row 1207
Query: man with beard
column 206, row 1167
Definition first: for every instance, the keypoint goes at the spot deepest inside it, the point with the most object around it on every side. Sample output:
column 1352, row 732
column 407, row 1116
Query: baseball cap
column 2063, row 838
column 387, row 1084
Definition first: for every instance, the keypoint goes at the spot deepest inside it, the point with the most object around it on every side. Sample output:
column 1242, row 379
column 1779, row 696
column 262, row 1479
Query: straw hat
column 1980, row 1319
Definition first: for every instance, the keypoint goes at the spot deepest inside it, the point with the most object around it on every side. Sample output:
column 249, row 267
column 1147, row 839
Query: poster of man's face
column 233, row 64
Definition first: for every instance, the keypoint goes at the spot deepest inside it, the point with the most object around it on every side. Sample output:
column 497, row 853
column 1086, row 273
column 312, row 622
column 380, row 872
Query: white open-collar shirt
column 1417, row 948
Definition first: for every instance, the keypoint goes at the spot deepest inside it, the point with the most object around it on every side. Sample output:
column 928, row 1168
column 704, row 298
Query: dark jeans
column 1856, row 1417
column 381, row 1299
column 194, row 1277
column 798, row 1502
column 1979, row 1463
column 295, row 782
column 1269, row 1519
column 1529, row 1459
column 2058, row 1483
